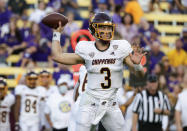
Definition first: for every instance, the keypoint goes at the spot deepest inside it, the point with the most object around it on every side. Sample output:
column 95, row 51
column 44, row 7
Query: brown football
column 52, row 20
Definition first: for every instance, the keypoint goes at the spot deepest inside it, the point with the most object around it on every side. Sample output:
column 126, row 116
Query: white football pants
column 92, row 110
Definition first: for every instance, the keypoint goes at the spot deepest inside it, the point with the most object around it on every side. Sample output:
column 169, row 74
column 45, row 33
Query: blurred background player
column 7, row 101
column 28, row 102
column 59, row 105
column 45, row 81
column 78, row 90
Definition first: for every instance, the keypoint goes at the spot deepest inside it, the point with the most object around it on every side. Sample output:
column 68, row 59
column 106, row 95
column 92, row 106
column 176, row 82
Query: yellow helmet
column 101, row 19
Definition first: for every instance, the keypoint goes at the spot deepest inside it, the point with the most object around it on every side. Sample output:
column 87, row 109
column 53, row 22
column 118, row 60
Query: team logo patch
column 92, row 54
column 115, row 47
column 65, row 106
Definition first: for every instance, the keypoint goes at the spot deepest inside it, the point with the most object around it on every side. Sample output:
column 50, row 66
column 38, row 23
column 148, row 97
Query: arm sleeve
column 125, row 48
column 18, row 90
column 137, row 103
column 12, row 99
column 79, row 50
column 47, row 108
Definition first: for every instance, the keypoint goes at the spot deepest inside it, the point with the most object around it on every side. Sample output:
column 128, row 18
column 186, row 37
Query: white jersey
column 59, row 108
column 105, row 68
column 50, row 91
column 82, row 79
column 5, row 108
column 30, row 103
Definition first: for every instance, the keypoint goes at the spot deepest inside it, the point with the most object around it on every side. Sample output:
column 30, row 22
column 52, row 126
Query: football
column 52, row 20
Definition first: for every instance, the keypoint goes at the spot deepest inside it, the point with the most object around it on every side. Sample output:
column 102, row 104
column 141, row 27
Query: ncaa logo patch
column 65, row 106
column 115, row 47
column 92, row 54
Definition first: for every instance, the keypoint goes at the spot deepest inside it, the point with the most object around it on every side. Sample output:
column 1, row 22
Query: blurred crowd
column 32, row 40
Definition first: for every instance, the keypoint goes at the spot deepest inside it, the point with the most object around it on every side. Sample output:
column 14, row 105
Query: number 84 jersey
column 105, row 68
column 30, row 103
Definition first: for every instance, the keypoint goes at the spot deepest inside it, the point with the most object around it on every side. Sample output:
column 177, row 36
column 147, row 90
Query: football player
column 28, row 102
column 58, row 106
column 45, row 79
column 7, row 100
column 104, row 59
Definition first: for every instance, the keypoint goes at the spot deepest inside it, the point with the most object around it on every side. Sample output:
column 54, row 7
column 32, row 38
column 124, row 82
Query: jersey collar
column 102, row 50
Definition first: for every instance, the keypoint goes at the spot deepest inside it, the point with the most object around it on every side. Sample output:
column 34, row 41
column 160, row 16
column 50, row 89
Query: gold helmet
column 102, row 20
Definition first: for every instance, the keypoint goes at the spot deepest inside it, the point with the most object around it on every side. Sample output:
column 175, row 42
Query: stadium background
column 25, row 43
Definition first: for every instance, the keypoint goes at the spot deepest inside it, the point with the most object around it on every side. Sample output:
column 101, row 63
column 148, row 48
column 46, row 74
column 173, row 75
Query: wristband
column 56, row 36
column 138, row 67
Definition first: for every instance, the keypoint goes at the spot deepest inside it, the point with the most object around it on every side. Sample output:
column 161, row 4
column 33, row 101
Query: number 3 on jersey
column 107, row 78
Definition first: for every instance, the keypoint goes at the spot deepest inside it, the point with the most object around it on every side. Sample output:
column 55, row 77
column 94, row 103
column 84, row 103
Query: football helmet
column 3, row 87
column 102, row 27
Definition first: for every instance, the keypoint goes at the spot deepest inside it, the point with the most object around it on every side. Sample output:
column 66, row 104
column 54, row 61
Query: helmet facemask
column 104, row 31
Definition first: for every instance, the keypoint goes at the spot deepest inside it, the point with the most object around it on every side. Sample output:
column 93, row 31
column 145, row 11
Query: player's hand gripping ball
column 52, row 20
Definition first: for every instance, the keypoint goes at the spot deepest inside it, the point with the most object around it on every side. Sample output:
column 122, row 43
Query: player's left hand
column 137, row 54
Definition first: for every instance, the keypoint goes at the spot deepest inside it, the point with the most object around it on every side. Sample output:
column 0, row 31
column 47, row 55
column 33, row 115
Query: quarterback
column 103, row 59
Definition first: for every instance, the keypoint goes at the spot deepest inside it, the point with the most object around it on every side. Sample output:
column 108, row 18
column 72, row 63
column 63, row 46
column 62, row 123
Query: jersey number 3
column 107, row 77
